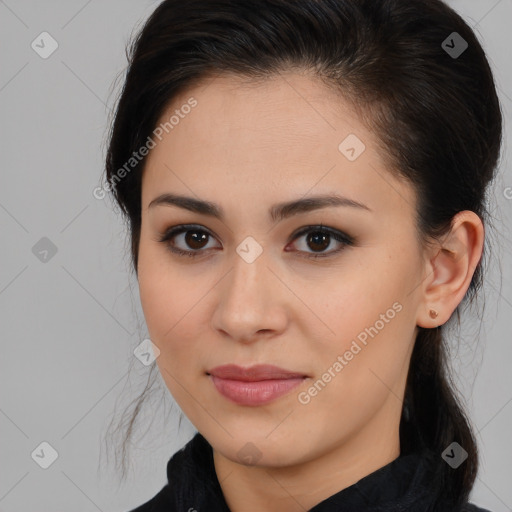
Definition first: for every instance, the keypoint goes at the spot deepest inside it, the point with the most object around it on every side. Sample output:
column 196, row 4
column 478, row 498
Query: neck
column 301, row 486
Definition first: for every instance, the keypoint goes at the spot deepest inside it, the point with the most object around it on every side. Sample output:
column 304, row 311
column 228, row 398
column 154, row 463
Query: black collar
column 405, row 484
column 395, row 487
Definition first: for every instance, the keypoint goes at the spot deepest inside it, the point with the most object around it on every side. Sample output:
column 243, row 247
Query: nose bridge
column 250, row 265
column 248, row 301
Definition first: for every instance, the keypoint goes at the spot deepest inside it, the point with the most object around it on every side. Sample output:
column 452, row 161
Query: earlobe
column 450, row 269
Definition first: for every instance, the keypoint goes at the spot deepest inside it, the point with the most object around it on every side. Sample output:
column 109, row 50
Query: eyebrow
column 277, row 212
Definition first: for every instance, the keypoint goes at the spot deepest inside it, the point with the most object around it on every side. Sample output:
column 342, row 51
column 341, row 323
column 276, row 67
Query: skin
column 247, row 146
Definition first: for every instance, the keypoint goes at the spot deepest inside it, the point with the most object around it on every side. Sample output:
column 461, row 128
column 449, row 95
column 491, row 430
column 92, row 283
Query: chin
column 258, row 450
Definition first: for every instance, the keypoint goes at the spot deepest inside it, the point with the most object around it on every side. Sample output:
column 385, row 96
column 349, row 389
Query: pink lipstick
column 255, row 385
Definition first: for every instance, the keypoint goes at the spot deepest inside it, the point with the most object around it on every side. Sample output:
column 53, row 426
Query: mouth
column 256, row 385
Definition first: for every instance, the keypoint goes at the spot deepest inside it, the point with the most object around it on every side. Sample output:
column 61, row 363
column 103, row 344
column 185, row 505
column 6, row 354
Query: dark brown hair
column 436, row 115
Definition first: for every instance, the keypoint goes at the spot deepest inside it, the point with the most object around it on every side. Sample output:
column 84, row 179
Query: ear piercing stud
column 433, row 313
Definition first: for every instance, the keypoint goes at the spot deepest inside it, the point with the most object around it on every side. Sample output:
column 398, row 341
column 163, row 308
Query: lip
column 255, row 385
column 254, row 373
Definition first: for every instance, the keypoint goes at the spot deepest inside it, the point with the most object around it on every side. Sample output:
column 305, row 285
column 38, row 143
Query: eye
column 196, row 238
column 319, row 238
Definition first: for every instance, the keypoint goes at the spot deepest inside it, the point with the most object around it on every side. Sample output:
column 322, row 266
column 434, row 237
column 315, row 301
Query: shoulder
column 190, row 475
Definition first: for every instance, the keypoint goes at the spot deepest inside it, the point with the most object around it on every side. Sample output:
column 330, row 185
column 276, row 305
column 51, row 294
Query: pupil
column 318, row 238
column 191, row 238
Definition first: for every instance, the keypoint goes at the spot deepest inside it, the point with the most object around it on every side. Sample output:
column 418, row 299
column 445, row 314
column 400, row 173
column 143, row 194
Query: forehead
column 285, row 106
column 272, row 137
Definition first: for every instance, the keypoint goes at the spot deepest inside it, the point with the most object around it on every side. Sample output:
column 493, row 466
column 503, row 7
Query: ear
column 449, row 268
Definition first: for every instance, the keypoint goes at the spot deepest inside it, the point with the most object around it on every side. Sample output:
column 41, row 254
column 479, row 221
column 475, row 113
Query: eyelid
column 180, row 229
column 325, row 229
column 339, row 236
column 183, row 228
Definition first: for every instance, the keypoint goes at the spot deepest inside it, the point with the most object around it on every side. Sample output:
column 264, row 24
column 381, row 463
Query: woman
column 305, row 187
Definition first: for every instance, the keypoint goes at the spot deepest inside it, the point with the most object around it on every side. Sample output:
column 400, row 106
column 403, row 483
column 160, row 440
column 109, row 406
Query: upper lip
column 253, row 373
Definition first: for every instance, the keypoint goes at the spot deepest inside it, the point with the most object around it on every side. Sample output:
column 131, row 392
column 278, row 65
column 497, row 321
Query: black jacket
column 400, row 486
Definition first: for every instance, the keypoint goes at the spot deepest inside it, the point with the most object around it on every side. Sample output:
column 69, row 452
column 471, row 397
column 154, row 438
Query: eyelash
column 339, row 236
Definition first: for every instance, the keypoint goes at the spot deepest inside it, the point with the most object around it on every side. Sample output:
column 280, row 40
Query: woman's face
column 254, row 294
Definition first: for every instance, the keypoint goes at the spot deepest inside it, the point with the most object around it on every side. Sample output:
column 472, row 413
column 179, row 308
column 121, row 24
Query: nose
column 251, row 301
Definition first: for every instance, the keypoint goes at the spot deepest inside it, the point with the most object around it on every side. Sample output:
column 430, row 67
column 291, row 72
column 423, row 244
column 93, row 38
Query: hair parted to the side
column 437, row 118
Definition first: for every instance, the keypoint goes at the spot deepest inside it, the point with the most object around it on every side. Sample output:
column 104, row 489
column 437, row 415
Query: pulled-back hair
column 436, row 116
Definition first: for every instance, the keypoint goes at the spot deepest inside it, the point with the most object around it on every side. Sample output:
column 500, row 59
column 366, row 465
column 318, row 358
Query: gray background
column 70, row 323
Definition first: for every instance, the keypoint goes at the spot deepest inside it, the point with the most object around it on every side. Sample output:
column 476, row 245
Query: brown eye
column 320, row 238
column 196, row 239
column 318, row 241
column 193, row 240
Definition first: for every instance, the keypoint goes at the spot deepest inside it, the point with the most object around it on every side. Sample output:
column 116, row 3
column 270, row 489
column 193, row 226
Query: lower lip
column 254, row 393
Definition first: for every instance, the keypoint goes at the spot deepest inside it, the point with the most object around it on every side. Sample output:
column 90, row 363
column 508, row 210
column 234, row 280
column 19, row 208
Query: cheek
column 368, row 336
column 163, row 295
column 173, row 311
column 172, row 323
column 360, row 301
column 371, row 317
column 364, row 368
column 155, row 299
column 168, row 308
